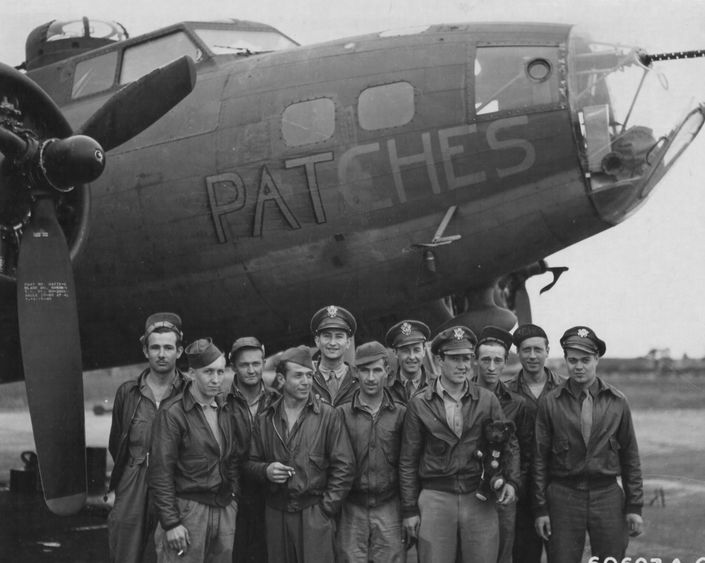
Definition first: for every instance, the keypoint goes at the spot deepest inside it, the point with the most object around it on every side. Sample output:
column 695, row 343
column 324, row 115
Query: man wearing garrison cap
column 533, row 381
column 438, row 471
column 370, row 523
column 301, row 448
column 195, row 463
column 492, row 352
column 408, row 339
column 584, row 441
column 247, row 398
column 333, row 329
column 132, row 521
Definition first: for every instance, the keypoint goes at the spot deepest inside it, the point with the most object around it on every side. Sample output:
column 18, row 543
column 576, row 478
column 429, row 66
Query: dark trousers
column 250, row 536
column 299, row 537
column 599, row 512
column 528, row 545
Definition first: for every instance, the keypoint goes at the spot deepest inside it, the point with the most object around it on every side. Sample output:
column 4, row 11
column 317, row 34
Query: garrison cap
column 245, row 342
column 202, row 353
column 584, row 339
column 370, row 352
column 454, row 340
column 333, row 317
column 300, row 355
column 172, row 321
column 407, row 332
column 495, row 335
column 527, row 331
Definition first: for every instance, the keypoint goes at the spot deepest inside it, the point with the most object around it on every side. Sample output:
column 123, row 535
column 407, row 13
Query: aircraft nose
column 625, row 147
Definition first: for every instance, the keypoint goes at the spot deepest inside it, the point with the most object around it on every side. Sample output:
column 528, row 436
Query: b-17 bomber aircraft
column 249, row 181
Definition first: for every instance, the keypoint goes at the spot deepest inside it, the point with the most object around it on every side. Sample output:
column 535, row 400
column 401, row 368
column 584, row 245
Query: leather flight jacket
column 396, row 386
column 432, row 455
column 376, row 442
column 561, row 455
column 319, row 450
column 186, row 460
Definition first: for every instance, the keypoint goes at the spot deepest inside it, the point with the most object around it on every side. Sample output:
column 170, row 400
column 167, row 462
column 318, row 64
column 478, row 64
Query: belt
column 221, row 498
column 585, row 483
column 365, row 498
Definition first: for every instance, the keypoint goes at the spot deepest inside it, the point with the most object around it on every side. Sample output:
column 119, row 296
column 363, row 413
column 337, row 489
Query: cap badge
column 583, row 333
column 458, row 334
column 332, row 311
column 406, row 329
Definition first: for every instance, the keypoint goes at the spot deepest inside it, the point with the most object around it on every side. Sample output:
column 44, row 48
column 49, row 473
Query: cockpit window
column 145, row 57
column 94, row 75
column 515, row 78
column 243, row 42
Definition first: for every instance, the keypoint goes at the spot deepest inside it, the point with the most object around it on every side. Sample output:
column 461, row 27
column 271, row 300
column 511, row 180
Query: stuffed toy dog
column 491, row 453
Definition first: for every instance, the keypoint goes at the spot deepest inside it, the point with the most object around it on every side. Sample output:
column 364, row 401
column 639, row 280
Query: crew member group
column 380, row 453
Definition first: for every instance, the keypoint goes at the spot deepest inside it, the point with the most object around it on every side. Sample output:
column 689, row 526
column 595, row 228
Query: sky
column 636, row 284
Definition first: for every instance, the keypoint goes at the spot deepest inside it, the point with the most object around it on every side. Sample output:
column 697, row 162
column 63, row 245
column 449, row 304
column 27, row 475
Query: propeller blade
column 522, row 305
column 51, row 357
column 139, row 104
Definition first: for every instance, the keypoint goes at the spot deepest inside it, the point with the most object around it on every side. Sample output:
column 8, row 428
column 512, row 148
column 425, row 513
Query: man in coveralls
column 132, row 521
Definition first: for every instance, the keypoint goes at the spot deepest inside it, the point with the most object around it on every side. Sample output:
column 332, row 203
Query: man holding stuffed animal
column 492, row 351
column 439, row 472
column 584, row 441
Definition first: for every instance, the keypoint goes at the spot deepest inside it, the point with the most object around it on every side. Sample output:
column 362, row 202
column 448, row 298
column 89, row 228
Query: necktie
column 333, row 385
column 409, row 386
column 586, row 417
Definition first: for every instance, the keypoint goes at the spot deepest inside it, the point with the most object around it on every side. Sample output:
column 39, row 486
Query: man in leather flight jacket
column 370, row 523
column 438, row 470
column 584, row 441
column 301, row 448
column 195, row 466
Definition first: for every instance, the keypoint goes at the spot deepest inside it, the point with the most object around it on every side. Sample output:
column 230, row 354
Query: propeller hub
column 75, row 160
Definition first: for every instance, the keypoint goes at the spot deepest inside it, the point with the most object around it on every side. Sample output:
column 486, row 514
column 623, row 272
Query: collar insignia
column 582, row 333
column 406, row 329
column 332, row 311
column 458, row 334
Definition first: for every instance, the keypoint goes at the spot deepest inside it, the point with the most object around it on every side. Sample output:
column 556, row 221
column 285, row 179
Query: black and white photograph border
column 636, row 283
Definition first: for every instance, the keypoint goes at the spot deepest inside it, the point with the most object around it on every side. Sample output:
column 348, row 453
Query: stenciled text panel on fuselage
column 437, row 167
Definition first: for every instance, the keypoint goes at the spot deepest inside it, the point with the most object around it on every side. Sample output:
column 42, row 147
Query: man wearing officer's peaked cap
column 333, row 328
column 438, row 473
column 454, row 340
column 585, row 441
column 408, row 339
column 584, row 339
